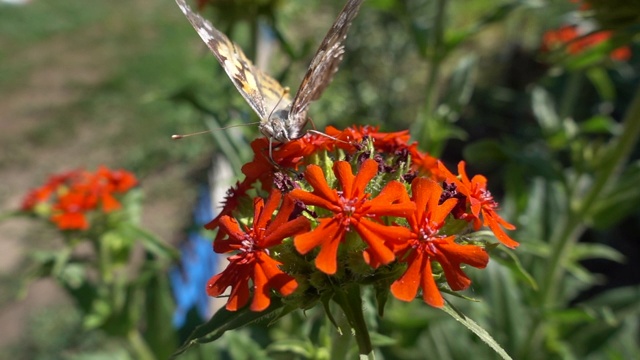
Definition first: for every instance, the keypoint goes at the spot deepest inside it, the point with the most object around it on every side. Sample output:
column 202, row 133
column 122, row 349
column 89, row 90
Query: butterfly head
column 278, row 128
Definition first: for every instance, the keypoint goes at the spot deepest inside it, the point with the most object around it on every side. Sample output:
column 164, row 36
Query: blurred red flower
column 575, row 41
column 67, row 197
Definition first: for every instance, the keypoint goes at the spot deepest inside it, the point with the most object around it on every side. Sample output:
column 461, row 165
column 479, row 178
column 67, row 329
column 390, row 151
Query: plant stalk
column 574, row 226
column 138, row 346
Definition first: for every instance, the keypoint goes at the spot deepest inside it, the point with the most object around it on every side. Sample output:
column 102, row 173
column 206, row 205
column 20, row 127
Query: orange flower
column 44, row 193
column 352, row 208
column 230, row 203
column 69, row 196
column 253, row 260
column 481, row 203
column 577, row 42
column 69, row 212
column 383, row 142
column 426, row 245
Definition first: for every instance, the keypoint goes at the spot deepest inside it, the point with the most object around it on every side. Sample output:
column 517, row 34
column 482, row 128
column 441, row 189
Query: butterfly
column 281, row 119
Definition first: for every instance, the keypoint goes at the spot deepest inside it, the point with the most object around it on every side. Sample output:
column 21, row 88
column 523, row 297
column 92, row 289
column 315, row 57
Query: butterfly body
column 281, row 119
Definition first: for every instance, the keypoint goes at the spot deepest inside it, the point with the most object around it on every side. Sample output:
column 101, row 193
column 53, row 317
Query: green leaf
column 13, row 214
column 325, row 299
column 476, row 329
column 350, row 301
column 379, row 340
column 544, row 110
column 292, row 347
column 623, row 301
column 602, row 82
column 151, row 243
column 622, row 199
column 499, row 12
column 225, row 320
column 241, row 346
column 158, row 313
column 589, row 57
column 599, row 124
column 612, row 323
column 508, row 259
column 586, row 251
column 461, row 85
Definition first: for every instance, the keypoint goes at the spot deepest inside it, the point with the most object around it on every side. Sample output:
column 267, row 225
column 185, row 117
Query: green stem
column 573, row 227
column 435, row 51
column 435, row 55
column 571, row 94
column 340, row 341
column 138, row 346
column 350, row 302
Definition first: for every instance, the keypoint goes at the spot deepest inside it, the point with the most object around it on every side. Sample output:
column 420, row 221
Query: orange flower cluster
column 67, row 198
column 347, row 201
column 575, row 42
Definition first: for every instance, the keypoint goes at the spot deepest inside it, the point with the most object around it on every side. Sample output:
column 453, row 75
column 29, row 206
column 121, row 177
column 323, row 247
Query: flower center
column 486, row 198
column 247, row 244
column 348, row 205
column 349, row 208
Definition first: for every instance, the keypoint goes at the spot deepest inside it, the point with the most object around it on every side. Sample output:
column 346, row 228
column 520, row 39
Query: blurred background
column 512, row 87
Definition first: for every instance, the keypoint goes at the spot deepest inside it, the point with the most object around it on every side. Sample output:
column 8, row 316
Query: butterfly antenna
column 314, row 131
column 285, row 92
column 182, row 136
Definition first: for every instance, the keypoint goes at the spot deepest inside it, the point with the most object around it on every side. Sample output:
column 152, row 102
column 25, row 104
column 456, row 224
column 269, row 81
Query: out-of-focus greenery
column 556, row 138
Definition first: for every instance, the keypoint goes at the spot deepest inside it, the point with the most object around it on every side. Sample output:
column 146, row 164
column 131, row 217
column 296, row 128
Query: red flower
column 577, row 42
column 426, row 245
column 70, row 195
column 69, row 212
column 44, row 193
column 231, row 202
column 424, row 163
column 382, row 142
column 481, row 203
column 253, row 260
column 352, row 207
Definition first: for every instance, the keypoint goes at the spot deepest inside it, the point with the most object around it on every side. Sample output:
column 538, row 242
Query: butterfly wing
column 260, row 90
column 324, row 64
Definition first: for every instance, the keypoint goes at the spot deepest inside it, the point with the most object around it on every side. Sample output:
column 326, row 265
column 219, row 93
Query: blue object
column 198, row 263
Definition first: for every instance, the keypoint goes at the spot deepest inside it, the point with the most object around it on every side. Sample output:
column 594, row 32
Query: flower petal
column 278, row 280
column 326, row 261
column 406, row 287
column 393, row 200
column 261, row 299
column 367, row 171
column 275, row 235
column 371, row 232
column 499, row 233
column 312, row 199
column 430, row 292
column 345, row 177
column 315, row 177
column 308, row 241
column 230, row 227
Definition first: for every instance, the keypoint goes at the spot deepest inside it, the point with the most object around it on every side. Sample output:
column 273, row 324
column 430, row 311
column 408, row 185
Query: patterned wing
column 259, row 89
column 324, row 64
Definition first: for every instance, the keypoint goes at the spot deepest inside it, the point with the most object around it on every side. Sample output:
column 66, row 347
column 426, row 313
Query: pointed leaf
column 225, row 320
column 476, row 329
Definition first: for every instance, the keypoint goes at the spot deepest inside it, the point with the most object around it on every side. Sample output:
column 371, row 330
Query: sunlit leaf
column 476, row 329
